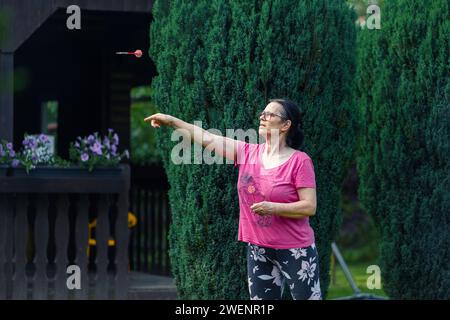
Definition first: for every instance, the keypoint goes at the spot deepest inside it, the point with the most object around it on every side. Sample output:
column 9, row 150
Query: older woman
column 277, row 195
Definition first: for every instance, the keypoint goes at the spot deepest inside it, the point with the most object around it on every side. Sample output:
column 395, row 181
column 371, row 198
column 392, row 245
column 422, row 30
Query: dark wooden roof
column 25, row 16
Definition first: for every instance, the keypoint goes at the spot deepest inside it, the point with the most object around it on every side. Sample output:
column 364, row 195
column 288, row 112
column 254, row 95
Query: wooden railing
column 149, row 250
column 44, row 220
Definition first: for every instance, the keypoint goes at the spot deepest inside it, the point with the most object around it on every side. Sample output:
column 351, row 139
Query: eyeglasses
column 266, row 115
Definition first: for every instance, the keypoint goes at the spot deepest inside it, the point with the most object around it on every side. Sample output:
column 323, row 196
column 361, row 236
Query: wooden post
column 40, row 283
column 102, row 237
column 20, row 255
column 6, row 95
column 62, row 231
column 82, row 240
column 122, row 238
column 3, row 228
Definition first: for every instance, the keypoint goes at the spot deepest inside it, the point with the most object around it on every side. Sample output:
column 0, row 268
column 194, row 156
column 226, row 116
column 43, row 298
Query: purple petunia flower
column 110, row 130
column 115, row 139
column 84, row 157
column 15, row 163
column 9, row 145
column 114, row 150
column 29, row 142
column 91, row 139
column 106, row 143
column 12, row 153
column 43, row 138
column 97, row 148
column 77, row 144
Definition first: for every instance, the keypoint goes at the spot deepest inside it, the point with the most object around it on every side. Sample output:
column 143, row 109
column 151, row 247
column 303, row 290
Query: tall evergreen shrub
column 219, row 62
column 404, row 162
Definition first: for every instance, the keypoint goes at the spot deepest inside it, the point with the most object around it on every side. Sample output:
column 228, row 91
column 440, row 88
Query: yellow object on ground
column 132, row 221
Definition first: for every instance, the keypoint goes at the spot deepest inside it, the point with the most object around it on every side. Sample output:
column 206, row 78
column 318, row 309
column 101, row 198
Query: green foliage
column 340, row 287
column 358, row 237
column 404, row 158
column 8, row 156
column 52, row 112
column 143, row 139
column 219, row 62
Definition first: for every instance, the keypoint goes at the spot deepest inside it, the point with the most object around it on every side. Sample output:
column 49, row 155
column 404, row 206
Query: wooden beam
column 26, row 16
column 6, row 95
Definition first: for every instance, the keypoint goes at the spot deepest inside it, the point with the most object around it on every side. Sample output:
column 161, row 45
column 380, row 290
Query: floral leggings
column 269, row 268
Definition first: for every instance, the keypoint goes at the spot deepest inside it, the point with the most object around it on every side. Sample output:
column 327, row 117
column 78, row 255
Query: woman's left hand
column 263, row 208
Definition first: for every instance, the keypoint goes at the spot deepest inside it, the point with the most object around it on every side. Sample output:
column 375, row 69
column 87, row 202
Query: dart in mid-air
column 137, row 53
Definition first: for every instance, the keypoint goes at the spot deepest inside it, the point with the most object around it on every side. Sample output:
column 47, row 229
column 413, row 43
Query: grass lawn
column 341, row 288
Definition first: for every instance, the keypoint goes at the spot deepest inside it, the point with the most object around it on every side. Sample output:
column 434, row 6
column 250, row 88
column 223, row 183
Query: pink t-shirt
column 279, row 184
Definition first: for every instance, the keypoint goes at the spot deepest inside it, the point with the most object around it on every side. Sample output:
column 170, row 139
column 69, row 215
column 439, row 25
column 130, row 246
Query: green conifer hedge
column 219, row 62
column 404, row 162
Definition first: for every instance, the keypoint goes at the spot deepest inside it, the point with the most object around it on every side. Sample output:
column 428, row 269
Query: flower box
column 92, row 156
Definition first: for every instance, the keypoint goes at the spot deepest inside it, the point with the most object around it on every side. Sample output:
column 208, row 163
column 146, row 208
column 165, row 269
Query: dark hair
column 291, row 112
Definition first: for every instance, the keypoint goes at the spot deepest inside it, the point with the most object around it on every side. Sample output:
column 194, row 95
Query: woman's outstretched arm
column 223, row 146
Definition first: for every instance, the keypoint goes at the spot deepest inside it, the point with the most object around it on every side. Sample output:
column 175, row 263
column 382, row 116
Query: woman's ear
column 287, row 124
